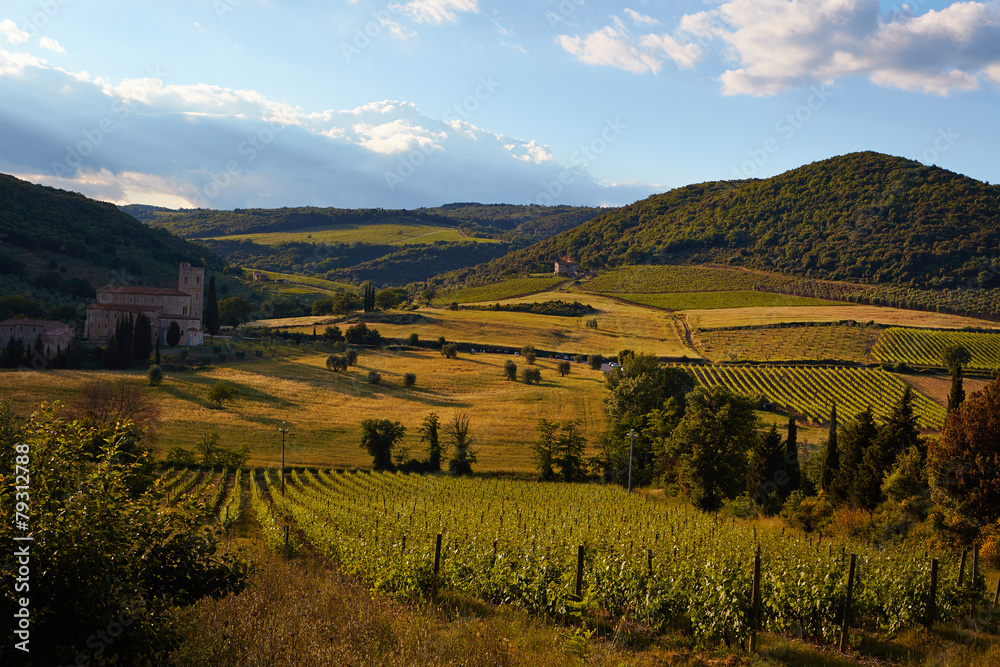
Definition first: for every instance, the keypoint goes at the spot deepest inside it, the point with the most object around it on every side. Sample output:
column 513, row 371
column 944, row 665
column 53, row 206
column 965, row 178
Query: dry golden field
column 325, row 408
column 734, row 317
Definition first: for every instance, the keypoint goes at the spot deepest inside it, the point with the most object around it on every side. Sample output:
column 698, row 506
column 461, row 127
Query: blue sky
column 239, row 103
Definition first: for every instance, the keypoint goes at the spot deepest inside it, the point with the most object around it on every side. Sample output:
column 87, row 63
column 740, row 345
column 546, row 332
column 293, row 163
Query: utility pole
column 631, row 446
column 283, row 429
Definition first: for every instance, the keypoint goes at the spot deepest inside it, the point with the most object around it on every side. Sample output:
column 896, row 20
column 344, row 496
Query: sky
column 268, row 103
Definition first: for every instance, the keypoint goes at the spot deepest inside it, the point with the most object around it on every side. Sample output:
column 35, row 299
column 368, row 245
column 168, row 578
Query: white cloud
column 436, row 11
column 532, row 152
column 781, row 45
column 612, row 47
column 15, row 63
column 398, row 136
column 641, row 18
column 51, row 45
column 13, row 34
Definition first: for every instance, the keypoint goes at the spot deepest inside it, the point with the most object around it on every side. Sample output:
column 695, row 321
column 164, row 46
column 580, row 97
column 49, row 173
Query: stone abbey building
column 162, row 305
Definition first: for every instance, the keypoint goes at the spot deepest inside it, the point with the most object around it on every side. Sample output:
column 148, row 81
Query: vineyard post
column 579, row 571
column 847, row 605
column 931, row 604
column 437, row 564
column 283, row 430
column 755, row 607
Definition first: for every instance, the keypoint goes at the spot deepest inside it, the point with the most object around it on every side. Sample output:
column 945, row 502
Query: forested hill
column 862, row 217
column 57, row 245
column 510, row 222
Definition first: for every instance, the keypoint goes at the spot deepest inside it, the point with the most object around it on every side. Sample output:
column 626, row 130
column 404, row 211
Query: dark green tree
column 463, row 455
column 954, row 358
column 235, row 311
column 711, row 444
column 173, row 334
column 564, row 368
column 510, row 370
column 157, row 351
column 570, row 446
column 379, row 437
column 767, row 468
column 142, row 342
column 429, row 428
column 368, row 299
column 212, row 321
column 831, row 456
column 792, row 466
column 856, row 437
column 543, row 450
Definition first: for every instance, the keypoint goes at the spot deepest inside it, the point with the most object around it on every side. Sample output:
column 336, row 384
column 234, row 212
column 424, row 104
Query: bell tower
column 192, row 281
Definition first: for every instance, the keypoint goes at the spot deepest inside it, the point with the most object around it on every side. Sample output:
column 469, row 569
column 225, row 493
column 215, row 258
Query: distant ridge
column 862, row 217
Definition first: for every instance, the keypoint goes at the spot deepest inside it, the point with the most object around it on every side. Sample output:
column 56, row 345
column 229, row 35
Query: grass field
column 717, row 300
column 924, row 348
column 738, row 317
column 660, row 279
column 819, row 342
column 620, row 326
column 325, row 409
column 401, row 233
column 508, row 289
column 937, row 387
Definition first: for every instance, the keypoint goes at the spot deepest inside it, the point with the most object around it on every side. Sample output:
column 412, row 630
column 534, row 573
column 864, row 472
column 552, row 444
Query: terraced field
column 919, row 347
column 810, row 392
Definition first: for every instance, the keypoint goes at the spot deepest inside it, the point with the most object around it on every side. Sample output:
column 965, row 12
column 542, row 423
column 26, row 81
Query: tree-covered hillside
column 58, row 246
column 862, row 217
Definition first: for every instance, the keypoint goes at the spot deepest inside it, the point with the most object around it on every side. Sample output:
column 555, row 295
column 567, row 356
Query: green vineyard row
column 919, row 347
column 810, row 392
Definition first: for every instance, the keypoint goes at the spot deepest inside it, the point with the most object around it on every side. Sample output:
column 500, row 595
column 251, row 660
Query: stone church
column 162, row 305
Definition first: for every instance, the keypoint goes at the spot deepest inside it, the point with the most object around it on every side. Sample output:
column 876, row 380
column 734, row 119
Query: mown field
column 620, row 326
column 388, row 234
column 507, row 289
column 325, row 409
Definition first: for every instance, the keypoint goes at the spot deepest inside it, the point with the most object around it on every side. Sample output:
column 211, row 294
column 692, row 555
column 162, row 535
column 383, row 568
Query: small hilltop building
column 162, row 305
column 566, row 267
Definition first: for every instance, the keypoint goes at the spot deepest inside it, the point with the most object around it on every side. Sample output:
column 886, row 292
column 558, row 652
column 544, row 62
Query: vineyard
column 711, row 300
column 817, row 342
column 508, row 289
column 810, row 392
column 384, row 234
column 535, row 545
column 918, row 347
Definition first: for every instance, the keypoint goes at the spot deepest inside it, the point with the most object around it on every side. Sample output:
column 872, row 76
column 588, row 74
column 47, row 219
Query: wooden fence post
column 932, row 603
column 437, row 564
column 579, row 571
column 286, row 540
column 847, row 605
column 755, row 606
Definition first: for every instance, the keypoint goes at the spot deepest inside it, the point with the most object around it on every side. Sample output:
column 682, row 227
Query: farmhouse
column 162, row 305
column 53, row 336
column 566, row 267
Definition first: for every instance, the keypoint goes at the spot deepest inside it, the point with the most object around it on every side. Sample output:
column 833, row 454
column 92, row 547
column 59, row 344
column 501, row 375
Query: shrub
column 450, row 350
column 409, row 379
column 413, row 339
column 807, row 513
column 155, row 375
column 178, row 456
column 374, row 377
column 529, row 375
column 595, row 361
column 580, row 358
column 351, row 356
column 510, row 370
column 222, row 391
column 990, row 550
column 563, row 368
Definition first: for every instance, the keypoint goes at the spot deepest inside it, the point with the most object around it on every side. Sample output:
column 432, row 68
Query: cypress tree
column 212, row 321
column 831, row 457
column 792, row 467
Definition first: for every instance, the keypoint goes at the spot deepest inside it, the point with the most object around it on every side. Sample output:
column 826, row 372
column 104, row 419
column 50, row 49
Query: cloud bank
column 145, row 140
